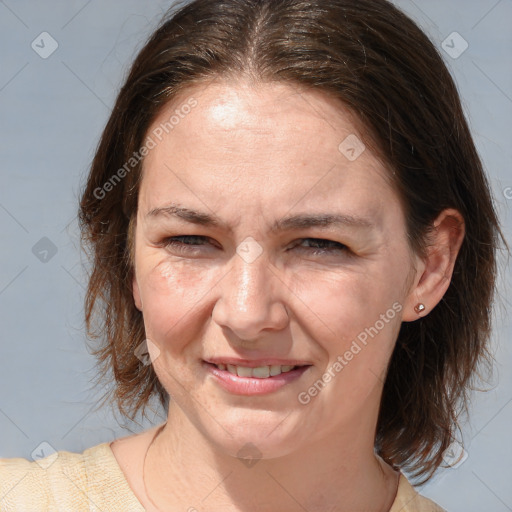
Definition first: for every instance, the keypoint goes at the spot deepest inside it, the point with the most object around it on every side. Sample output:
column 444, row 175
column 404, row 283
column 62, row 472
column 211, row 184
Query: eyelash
column 182, row 247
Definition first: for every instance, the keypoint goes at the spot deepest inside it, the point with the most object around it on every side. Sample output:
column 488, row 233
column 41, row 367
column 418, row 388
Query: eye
column 319, row 246
column 190, row 244
column 184, row 243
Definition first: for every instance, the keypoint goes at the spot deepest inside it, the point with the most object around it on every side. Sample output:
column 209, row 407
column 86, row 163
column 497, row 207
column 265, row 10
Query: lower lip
column 251, row 385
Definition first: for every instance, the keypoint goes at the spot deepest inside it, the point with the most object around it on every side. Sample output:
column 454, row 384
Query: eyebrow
column 293, row 222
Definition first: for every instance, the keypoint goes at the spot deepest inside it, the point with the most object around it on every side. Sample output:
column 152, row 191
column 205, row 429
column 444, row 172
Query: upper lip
column 255, row 363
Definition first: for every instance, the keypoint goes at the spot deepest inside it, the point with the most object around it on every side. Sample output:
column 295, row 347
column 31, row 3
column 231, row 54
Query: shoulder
column 408, row 499
column 65, row 481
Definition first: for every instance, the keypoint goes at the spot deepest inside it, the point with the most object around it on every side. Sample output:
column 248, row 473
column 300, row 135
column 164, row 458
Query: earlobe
column 412, row 309
column 419, row 308
column 444, row 245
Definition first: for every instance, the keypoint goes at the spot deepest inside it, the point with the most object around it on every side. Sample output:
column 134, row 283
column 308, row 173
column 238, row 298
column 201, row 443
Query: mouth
column 257, row 372
column 254, row 377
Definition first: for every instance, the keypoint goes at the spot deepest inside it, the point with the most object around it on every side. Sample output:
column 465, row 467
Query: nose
column 252, row 299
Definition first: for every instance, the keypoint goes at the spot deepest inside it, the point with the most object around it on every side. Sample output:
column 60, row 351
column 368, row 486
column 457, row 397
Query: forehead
column 272, row 143
column 257, row 110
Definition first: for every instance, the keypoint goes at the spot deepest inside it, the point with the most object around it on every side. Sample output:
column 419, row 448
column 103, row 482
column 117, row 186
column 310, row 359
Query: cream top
column 94, row 481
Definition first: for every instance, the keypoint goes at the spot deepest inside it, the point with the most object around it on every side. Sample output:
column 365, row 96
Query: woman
column 287, row 212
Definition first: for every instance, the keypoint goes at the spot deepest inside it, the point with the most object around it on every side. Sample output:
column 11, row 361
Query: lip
column 255, row 363
column 251, row 385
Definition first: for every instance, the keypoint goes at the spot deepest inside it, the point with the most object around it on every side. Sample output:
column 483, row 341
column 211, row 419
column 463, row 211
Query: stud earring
column 419, row 308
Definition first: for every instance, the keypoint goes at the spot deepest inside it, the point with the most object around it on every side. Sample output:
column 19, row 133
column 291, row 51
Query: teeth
column 275, row 370
column 243, row 371
column 260, row 372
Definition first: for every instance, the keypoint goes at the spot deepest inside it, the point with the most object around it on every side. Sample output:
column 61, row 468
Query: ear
column 434, row 273
column 136, row 293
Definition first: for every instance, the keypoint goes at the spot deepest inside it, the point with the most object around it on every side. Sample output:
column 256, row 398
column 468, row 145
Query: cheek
column 346, row 303
column 358, row 319
column 172, row 295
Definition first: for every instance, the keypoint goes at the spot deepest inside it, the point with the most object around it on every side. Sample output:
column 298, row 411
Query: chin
column 255, row 434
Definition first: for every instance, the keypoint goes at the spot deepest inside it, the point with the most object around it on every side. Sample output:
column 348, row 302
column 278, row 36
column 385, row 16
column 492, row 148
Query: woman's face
column 267, row 236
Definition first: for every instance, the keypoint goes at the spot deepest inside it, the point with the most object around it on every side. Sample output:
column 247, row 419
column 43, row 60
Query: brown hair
column 381, row 66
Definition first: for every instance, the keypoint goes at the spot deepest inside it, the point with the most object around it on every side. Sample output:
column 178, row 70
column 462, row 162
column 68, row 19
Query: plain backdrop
column 62, row 63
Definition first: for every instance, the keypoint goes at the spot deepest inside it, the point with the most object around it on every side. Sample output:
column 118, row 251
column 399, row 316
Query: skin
column 251, row 154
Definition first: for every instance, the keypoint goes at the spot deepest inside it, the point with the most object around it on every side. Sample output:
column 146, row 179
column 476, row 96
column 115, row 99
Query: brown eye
column 185, row 243
column 321, row 246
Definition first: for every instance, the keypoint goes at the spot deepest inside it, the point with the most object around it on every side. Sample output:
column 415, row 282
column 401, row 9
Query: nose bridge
column 251, row 288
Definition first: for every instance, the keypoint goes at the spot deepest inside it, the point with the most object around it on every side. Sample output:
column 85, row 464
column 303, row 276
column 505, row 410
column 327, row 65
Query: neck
column 186, row 471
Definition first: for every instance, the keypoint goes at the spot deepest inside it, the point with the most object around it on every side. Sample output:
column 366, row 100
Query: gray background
column 52, row 111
